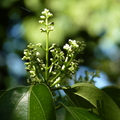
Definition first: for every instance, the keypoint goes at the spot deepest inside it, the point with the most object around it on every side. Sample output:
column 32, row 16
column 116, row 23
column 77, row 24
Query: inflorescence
column 61, row 65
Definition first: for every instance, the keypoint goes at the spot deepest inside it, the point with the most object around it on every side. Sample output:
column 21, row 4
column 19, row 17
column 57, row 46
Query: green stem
column 54, row 79
column 58, row 107
column 39, row 73
column 53, row 63
column 69, row 61
column 60, row 88
column 47, row 49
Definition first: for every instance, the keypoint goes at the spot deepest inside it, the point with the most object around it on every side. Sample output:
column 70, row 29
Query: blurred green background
column 97, row 22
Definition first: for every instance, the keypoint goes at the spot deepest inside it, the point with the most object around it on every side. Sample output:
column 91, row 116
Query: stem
column 69, row 61
column 51, row 67
column 54, row 79
column 60, row 88
column 39, row 73
column 47, row 50
column 58, row 107
column 66, row 59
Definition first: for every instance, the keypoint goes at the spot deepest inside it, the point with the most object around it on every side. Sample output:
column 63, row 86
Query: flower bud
column 37, row 54
column 51, row 28
column 57, row 80
column 46, row 10
column 42, row 17
column 57, row 85
column 41, row 21
column 51, row 23
column 63, row 67
column 43, row 29
column 39, row 45
column 50, row 14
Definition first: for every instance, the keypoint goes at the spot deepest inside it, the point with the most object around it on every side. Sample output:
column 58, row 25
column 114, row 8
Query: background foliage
column 95, row 22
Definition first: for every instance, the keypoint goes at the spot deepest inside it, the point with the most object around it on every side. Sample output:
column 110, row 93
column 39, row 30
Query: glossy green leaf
column 100, row 100
column 83, row 102
column 114, row 93
column 81, row 114
column 27, row 103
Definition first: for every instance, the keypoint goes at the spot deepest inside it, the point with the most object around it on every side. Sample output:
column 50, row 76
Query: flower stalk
column 47, row 49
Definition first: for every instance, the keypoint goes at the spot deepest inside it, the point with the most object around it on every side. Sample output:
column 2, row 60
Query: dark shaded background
column 95, row 22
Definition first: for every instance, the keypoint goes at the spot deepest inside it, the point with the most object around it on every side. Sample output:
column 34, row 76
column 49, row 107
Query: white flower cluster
column 44, row 20
column 67, row 47
column 72, row 44
column 74, row 47
column 46, row 13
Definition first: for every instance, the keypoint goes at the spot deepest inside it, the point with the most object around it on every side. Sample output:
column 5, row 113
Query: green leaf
column 2, row 92
column 79, row 101
column 100, row 100
column 27, row 103
column 114, row 93
column 81, row 114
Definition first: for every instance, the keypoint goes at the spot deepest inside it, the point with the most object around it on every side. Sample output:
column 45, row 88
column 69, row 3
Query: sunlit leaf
column 100, row 100
column 27, row 103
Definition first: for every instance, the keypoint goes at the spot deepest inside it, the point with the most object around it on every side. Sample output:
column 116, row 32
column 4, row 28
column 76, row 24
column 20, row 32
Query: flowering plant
column 82, row 101
column 61, row 65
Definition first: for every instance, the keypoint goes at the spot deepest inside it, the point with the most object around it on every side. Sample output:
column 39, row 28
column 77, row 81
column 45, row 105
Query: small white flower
column 50, row 14
column 26, row 53
column 67, row 47
column 41, row 21
column 57, row 85
column 43, row 29
column 32, row 72
column 38, row 44
column 74, row 43
column 46, row 10
column 37, row 54
column 51, row 28
column 43, row 12
column 52, row 50
column 42, row 17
